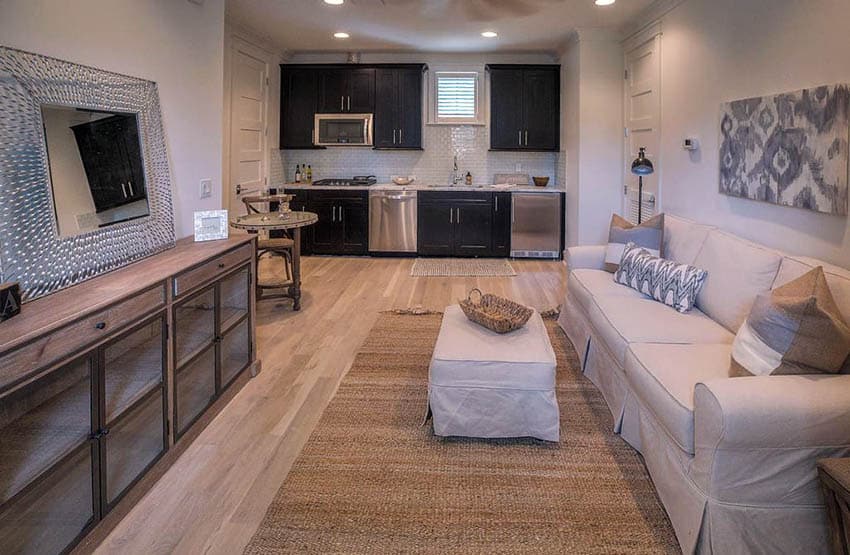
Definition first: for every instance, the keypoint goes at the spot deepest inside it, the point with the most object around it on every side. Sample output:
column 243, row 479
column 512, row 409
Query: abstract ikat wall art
column 789, row 149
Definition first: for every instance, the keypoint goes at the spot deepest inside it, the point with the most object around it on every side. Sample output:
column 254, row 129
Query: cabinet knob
column 221, row 264
column 100, row 325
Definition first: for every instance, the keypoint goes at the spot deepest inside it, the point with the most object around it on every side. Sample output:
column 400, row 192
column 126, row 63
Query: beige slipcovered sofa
column 732, row 459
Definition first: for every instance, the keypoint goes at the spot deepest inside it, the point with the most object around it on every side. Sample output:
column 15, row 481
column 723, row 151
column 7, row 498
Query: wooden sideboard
column 103, row 384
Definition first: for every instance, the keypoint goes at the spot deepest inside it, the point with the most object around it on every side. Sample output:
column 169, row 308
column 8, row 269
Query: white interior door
column 248, row 124
column 643, row 124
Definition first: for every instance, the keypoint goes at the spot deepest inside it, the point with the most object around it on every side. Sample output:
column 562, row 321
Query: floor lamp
column 641, row 167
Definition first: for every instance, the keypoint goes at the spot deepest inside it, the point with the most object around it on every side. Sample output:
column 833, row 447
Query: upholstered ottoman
column 487, row 385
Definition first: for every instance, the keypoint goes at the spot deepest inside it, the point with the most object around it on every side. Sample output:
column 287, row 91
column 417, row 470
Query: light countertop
column 415, row 186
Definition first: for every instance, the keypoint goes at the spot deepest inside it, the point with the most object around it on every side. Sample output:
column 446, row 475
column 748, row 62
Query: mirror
column 96, row 170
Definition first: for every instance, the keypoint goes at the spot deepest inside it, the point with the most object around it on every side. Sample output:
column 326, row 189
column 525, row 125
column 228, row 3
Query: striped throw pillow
column 676, row 285
column 649, row 235
column 794, row 329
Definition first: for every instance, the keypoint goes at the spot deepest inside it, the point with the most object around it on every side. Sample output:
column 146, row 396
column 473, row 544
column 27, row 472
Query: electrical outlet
column 206, row 188
column 518, row 167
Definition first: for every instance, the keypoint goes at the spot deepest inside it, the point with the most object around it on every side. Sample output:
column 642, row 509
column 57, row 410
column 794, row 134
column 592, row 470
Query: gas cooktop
column 356, row 181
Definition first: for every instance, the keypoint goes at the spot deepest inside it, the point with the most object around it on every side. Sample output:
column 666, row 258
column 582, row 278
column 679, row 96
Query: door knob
column 238, row 188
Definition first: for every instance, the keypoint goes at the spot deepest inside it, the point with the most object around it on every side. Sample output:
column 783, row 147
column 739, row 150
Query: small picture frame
column 211, row 225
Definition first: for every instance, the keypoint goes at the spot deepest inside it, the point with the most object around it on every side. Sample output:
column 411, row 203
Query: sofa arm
column 590, row 257
column 757, row 439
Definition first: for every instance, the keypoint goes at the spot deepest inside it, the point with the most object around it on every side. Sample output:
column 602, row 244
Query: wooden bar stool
column 272, row 246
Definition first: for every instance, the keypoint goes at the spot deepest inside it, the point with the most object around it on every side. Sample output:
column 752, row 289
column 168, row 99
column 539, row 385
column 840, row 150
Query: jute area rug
column 373, row 479
column 462, row 267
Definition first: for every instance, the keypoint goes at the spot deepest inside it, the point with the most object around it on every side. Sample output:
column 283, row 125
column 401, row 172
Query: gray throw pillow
column 649, row 235
column 794, row 329
column 676, row 285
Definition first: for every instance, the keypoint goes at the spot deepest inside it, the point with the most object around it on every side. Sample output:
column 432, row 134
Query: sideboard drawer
column 209, row 270
column 72, row 338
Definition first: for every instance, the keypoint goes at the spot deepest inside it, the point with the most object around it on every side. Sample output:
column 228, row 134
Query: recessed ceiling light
column 341, row 35
column 489, row 34
column 334, row 2
column 598, row 2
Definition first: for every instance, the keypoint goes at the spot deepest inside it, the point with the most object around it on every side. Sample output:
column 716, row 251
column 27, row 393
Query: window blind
column 456, row 95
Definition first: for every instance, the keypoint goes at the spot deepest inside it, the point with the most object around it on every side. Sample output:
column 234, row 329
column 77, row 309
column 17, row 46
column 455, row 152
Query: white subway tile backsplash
column 432, row 165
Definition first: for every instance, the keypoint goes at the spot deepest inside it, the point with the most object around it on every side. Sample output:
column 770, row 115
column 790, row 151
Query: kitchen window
column 456, row 98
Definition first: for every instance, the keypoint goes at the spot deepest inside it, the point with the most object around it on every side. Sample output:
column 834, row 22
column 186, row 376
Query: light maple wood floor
column 214, row 497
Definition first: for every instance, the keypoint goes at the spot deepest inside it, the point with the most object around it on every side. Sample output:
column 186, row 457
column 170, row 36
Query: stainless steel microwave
column 342, row 130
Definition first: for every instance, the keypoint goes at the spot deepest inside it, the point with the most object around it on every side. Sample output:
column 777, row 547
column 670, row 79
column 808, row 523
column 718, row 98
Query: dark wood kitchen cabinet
column 525, row 107
column 343, row 226
column 298, row 94
column 398, row 111
column 112, row 159
column 501, row 224
column 454, row 223
column 346, row 90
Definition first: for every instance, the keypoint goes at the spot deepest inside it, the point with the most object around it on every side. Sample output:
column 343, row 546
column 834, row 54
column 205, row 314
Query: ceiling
column 427, row 25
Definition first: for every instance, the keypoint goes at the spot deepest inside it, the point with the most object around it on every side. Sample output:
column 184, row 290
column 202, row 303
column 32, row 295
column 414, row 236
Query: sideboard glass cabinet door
column 213, row 344
column 48, row 495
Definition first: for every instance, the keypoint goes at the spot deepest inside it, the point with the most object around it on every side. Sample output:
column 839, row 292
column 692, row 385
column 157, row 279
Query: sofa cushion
column 666, row 281
column 663, row 378
column 794, row 329
column 837, row 278
column 737, row 272
column 683, row 239
column 649, row 235
column 622, row 320
column 584, row 285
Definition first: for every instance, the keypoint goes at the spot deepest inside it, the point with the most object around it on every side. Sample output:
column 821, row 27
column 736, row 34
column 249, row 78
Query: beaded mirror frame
column 31, row 249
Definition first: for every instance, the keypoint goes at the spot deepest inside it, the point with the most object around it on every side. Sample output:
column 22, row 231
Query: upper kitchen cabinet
column 346, row 90
column 398, row 112
column 298, row 93
column 525, row 107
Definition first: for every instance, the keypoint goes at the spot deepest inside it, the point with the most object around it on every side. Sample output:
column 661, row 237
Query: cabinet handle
column 458, row 215
column 513, row 212
column 130, row 186
column 393, row 136
column 340, row 213
column 341, row 103
column 497, row 204
column 349, row 103
column 333, row 217
column 124, row 190
column 100, row 325
column 400, row 137
column 451, row 215
column 519, row 134
column 526, row 137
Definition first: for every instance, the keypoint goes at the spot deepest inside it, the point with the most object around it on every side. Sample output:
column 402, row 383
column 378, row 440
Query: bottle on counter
column 309, row 174
column 297, row 173
column 468, row 178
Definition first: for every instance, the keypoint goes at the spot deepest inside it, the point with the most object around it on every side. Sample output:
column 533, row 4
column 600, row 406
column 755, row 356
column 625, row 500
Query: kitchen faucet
column 455, row 173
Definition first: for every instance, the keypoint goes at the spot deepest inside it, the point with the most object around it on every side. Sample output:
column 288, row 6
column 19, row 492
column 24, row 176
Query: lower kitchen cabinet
column 343, row 226
column 501, row 224
column 454, row 223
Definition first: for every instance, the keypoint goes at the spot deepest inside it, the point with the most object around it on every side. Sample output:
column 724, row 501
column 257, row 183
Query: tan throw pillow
column 648, row 235
column 794, row 329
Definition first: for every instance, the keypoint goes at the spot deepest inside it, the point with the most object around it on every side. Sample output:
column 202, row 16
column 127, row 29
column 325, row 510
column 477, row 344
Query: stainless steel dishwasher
column 392, row 221
column 536, row 225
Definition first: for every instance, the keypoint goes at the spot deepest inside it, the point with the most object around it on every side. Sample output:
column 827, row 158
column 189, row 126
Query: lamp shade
column 642, row 165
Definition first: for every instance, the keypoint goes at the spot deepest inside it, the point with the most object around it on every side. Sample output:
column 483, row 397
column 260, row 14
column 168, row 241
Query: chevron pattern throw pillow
column 676, row 285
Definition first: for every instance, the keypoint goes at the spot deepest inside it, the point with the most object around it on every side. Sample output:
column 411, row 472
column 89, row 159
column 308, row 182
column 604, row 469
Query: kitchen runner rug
column 462, row 267
column 373, row 479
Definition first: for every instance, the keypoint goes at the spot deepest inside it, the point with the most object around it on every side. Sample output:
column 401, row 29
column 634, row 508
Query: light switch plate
column 206, row 188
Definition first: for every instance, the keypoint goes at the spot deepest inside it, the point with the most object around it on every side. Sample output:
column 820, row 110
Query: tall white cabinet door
column 643, row 123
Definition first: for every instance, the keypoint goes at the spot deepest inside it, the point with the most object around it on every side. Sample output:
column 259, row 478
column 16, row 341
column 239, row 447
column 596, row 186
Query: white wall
column 593, row 135
column 176, row 43
column 720, row 50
